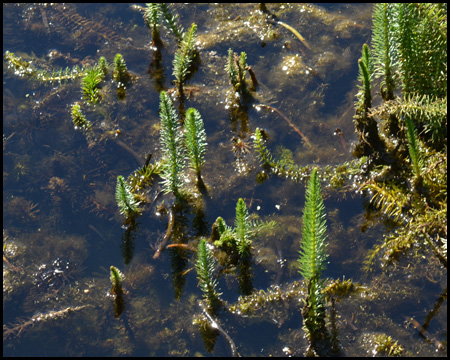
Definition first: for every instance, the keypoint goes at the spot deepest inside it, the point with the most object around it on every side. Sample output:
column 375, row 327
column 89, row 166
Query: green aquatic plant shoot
column 172, row 146
column 117, row 279
column 236, row 68
column 120, row 73
column 184, row 57
column 25, row 68
column 313, row 258
column 243, row 229
column 205, row 274
column 126, row 200
column 152, row 16
column 384, row 49
column 78, row 118
column 171, row 21
column 195, row 141
column 90, row 83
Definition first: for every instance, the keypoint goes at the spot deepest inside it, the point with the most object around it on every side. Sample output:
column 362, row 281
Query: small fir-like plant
column 313, row 258
column 126, row 200
column 117, row 279
column 78, row 118
column 171, row 21
column 184, row 57
column 152, row 18
column 171, row 142
column 120, row 73
column 236, row 68
column 205, row 274
column 243, row 229
column 195, row 141
column 90, row 83
column 384, row 47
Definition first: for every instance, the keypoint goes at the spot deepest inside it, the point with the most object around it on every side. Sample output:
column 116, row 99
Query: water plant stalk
column 195, row 141
column 205, row 274
column 171, row 142
column 312, row 260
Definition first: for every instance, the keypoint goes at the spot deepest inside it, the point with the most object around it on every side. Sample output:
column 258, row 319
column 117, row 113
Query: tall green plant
column 184, row 56
column 385, row 21
column 243, row 229
column 171, row 142
column 195, row 140
column 313, row 257
column 205, row 274
column 126, row 200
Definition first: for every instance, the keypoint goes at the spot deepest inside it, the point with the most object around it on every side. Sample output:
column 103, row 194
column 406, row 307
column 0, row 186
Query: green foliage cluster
column 120, row 73
column 184, row 57
column 117, row 279
column 205, row 273
column 177, row 146
column 195, row 140
column 155, row 14
column 386, row 346
column 172, row 145
column 336, row 175
column 243, row 229
column 90, row 83
column 313, row 257
column 126, row 200
column 407, row 173
column 78, row 118
column 236, row 68
column 25, row 68
column 240, row 237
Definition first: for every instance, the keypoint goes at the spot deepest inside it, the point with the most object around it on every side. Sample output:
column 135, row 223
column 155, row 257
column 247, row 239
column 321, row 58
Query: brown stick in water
column 168, row 234
column 291, row 124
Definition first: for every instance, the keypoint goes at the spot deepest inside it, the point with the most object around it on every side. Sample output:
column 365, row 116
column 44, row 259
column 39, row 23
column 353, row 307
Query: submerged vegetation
column 267, row 270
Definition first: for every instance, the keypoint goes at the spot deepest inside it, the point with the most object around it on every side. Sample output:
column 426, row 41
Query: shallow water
column 59, row 187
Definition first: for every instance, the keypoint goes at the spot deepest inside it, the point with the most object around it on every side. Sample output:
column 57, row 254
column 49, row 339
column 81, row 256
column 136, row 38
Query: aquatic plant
column 184, row 57
column 78, row 118
column 386, row 346
column 24, row 325
column 205, row 274
column 25, row 68
column 172, row 147
column 236, row 68
column 120, row 73
column 409, row 41
column 195, row 141
column 365, row 124
column 154, row 14
column 171, row 21
column 313, row 258
column 90, row 82
column 223, row 235
column 384, row 49
column 126, row 200
column 243, row 229
column 117, row 279
column 413, row 147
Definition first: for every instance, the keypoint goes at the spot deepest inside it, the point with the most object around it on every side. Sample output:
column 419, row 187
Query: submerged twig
column 295, row 32
column 215, row 325
column 291, row 124
column 168, row 234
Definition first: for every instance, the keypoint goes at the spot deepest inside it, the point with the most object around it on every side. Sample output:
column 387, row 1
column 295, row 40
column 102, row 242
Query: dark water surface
column 62, row 226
